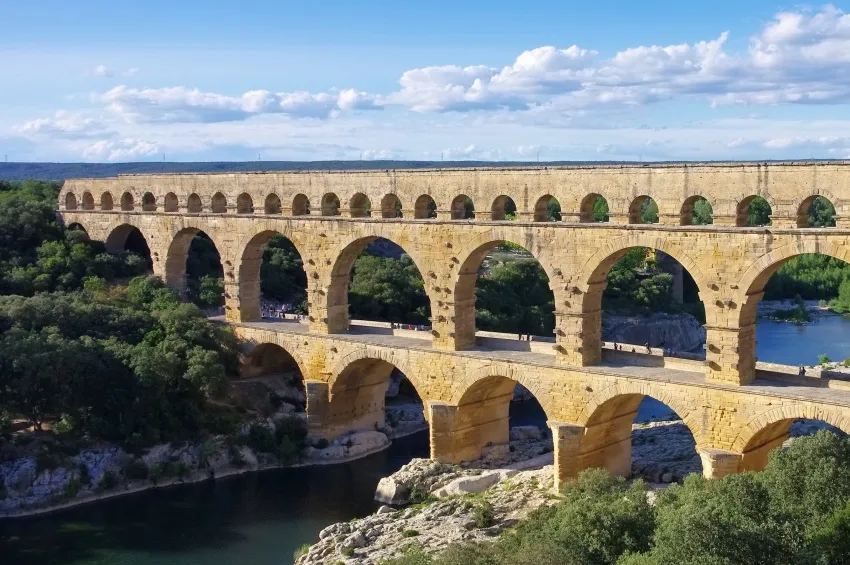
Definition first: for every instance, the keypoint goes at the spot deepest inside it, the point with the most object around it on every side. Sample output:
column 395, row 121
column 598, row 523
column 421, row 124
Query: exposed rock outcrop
column 675, row 332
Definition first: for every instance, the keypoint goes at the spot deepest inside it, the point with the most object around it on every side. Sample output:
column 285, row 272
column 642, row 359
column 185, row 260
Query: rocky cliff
column 676, row 332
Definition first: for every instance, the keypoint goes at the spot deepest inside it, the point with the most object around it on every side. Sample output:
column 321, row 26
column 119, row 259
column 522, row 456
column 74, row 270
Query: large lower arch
column 770, row 430
column 250, row 266
column 273, row 361
column 606, row 442
column 479, row 414
column 356, row 394
column 336, row 315
column 121, row 238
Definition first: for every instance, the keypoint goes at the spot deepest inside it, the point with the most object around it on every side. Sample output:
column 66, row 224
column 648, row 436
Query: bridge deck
column 624, row 364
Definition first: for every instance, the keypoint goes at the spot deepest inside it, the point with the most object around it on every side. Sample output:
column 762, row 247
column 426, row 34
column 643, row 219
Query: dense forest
column 93, row 346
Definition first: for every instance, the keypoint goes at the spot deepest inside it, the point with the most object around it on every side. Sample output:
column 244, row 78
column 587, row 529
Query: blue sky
column 99, row 81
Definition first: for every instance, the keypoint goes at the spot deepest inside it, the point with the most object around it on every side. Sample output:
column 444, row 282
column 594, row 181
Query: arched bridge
column 735, row 412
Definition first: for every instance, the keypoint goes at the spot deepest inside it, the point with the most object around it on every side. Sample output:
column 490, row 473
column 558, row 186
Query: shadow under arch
column 250, row 267
column 274, row 362
column 425, row 207
column 462, row 208
column 357, row 393
column 593, row 280
column 471, row 259
column 244, row 204
column 149, row 202
column 106, row 201
column 359, row 206
column 127, row 237
column 391, row 206
column 769, row 430
column 547, row 209
column 88, row 201
column 503, row 206
column 608, row 431
column 172, row 204
column 481, row 414
column 300, row 205
column 643, row 210
column 70, row 201
column 272, row 204
column 336, row 296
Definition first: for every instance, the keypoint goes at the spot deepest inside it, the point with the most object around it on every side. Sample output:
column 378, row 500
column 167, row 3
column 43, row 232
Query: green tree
column 553, row 210
column 649, row 212
column 821, row 213
column 600, row 209
column 703, row 213
column 389, row 290
column 758, row 212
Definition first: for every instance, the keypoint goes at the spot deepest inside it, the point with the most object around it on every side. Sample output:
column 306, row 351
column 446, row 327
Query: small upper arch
column 547, row 209
column 106, row 201
column 503, row 206
column 330, row 204
column 194, row 204
column 761, row 217
column 696, row 210
column 244, row 204
column 425, row 207
column 360, row 206
column 391, row 206
column 643, row 210
column 593, row 208
column 272, row 204
column 70, row 201
column 219, row 203
column 172, row 204
column 127, row 203
column 816, row 210
column 88, row 201
column 300, row 205
column 149, row 202
column 463, row 208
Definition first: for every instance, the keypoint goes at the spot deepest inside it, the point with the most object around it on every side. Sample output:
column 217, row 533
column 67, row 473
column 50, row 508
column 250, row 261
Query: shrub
column 409, row 533
column 418, row 495
column 301, row 551
column 823, row 359
column 348, row 552
column 136, row 470
column 73, row 487
column 482, row 513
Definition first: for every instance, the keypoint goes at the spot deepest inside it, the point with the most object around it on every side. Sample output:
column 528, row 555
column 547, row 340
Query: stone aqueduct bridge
column 736, row 412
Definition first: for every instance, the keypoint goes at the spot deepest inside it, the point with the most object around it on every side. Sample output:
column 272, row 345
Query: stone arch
column 106, row 201
column 118, row 234
column 344, row 256
column 686, row 214
column 194, row 205
column 607, row 439
column 330, row 204
column 88, row 201
column 425, row 207
column 357, row 391
column 395, row 357
column 470, row 258
column 770, row 429
column 637, row 206
column 805, row 204
column 391, row 206
column 148, row 202
column 77, row 226
column 219, row 203
column 501, row 204
column 244, row 204
column 290, row 351
column 742, row 208
column 178, row 251
column 360, row 206
column 70, row 201
column 272, row 204
column 541, row 208
column 171, row 202
column 459, row 208
column 251, row 250
column 586, row 298
column 127, row 204
column 586, row 207
column 481, row 413
column 300, row 205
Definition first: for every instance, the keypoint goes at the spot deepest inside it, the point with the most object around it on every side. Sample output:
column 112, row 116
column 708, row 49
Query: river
column 261, row 518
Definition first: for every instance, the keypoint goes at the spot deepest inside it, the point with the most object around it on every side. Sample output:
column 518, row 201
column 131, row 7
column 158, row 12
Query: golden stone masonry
column 736, row 411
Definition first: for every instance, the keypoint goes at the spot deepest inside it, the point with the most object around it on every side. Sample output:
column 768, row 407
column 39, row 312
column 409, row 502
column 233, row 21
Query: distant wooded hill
column 61, row 171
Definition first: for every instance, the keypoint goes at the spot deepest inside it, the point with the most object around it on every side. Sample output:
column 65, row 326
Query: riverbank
column 430, row 506
column 33, row 485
